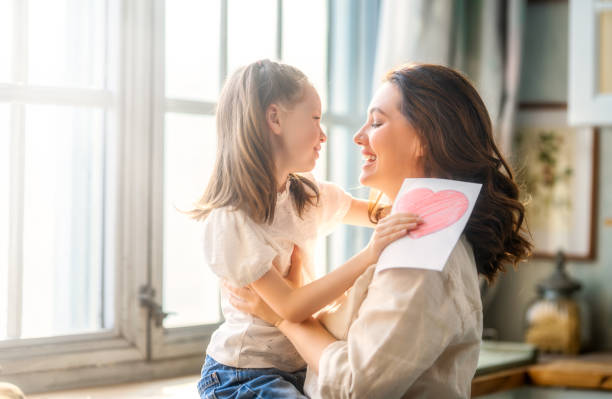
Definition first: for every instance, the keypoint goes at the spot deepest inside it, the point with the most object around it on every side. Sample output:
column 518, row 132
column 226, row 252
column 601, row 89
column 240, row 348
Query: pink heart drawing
column 438, row 210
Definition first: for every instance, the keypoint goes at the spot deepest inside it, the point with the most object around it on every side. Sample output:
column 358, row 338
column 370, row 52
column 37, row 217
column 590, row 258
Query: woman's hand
column 389, row 229
column 247, row 300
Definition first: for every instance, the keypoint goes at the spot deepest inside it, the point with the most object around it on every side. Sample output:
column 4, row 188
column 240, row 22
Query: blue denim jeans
column 220, row 382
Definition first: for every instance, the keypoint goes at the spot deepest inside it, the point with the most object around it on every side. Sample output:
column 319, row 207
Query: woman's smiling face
column 391, row 147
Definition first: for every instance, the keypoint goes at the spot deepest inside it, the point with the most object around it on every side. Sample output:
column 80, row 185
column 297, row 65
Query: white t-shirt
column 241, row 251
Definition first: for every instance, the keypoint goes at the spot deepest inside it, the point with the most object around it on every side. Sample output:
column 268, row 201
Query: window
column 590, row 67
column 107, row 131
column 59, row 192
column 255, row 30
column 56, row 119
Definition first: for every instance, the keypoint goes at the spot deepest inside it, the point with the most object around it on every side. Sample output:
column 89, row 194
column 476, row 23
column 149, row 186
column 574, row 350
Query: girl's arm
column 309, row 337
column 295, row 277
column 297, row 304
column 358, row 213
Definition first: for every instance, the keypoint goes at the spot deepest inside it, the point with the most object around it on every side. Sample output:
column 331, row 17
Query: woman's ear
column 420, row 149
column 273, row 118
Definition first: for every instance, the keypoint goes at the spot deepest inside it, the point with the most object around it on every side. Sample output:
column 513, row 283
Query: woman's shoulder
column 462, row 277
column 458, row 277
column 461, row 261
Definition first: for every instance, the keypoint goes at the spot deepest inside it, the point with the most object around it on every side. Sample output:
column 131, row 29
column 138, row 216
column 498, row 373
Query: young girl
column 256, row 209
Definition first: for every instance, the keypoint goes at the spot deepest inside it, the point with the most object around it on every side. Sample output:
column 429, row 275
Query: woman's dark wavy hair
column 454, row 127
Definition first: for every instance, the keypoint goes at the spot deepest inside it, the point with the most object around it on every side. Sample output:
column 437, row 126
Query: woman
column 412, row 332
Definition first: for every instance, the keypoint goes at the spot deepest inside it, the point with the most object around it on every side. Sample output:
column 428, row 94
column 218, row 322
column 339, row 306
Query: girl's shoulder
column 236, row 248
column 227, row 227
column 228, row 220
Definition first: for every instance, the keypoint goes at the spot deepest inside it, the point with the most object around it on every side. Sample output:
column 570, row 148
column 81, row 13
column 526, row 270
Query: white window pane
column 4, row 223
column 62, row 238
column 251, row 31
column 190, row 287
column 339, row 75
column 67, row 41
column 6, row 39
column 192, row 49
column 305, row 40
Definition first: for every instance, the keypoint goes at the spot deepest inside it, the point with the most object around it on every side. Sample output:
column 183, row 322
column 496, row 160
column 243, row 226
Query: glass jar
column 558, row 320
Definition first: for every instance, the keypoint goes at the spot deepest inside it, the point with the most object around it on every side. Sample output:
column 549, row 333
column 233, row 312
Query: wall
column 544, row 78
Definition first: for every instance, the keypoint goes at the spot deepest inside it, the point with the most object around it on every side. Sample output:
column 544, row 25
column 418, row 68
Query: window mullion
column 156, row 336
column 134, row 224
column 16, row 193
column 223, row 44
column 16, row 182
column 279, row 29
column 190, row 106
column 56, row 95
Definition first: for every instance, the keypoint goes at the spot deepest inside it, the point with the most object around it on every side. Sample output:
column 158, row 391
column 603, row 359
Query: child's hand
column 295, row 278
column 388, row 230
column 247, row 300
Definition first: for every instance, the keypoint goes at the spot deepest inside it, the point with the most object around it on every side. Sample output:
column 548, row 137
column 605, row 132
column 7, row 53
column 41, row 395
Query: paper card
column 445, row 206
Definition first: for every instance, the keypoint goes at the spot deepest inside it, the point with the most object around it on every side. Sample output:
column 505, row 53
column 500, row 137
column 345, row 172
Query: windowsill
column 181, row 387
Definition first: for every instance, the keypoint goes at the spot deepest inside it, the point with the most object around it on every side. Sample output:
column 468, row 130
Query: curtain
column 481, row 38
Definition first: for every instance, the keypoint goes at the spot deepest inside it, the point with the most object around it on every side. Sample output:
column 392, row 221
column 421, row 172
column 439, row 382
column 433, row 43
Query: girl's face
column 298, row 134
column 391, row 147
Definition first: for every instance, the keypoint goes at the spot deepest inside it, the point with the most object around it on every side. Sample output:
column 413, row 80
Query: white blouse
column 241, row 251
column 408, row 333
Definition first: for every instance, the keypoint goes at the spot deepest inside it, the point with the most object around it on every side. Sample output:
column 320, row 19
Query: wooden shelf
column 499, row 381
column 587, row 371
column 592, row 371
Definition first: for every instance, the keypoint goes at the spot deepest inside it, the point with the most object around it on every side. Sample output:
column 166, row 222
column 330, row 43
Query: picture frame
column 557, row 169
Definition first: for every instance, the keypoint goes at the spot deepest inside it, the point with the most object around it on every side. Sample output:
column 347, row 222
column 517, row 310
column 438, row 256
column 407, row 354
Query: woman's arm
column 309, row 337
column 297, row 304
column 406, row 321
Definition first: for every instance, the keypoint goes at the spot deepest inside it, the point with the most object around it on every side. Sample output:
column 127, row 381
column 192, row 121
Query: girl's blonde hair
column 244, row 172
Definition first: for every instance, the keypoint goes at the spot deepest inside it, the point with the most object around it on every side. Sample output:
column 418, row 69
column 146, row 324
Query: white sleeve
column 405, row 322
column 334, row 203
column 236, row 248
